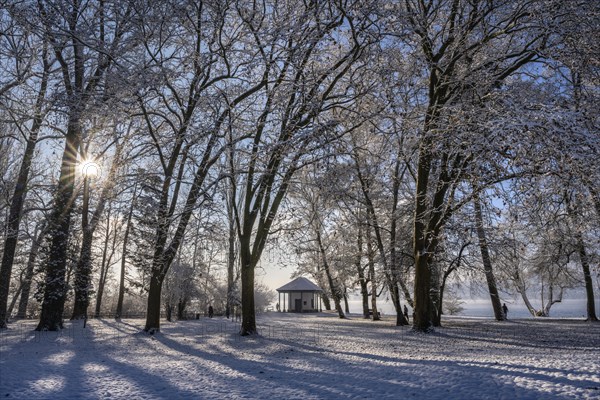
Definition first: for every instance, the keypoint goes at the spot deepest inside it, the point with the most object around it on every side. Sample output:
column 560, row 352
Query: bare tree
column 295, row 118
column 22, row 64
column 192, row 77
column 85, row 40
column 468, row 49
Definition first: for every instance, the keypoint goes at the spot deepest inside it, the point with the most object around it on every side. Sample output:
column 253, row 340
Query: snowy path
column 303, row 357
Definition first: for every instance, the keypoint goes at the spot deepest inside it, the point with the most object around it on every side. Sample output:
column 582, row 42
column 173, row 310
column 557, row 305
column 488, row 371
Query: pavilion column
column 279, row 302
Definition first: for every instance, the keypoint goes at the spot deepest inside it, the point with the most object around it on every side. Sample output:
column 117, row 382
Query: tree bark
column 326, row 301
column 362, row 280
column 487, row 262
column 589, row 284
column 335, row 291
column 371, row 261
column 60, row 222
column 422, row 301
column 248, row 310
column 119, row 310
column 104, row 265
column 14, row 299
column 230, row 254
column 346, row 304
column 83, row 268
column 153, row 309
column 435, row 295
column 33, row 253
column 181, row 306
column 168, row 311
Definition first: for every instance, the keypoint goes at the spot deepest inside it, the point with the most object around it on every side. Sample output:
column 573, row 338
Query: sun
column 89, row 168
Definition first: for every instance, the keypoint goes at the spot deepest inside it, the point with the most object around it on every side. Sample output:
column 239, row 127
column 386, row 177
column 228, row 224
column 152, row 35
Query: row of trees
column 391, row 146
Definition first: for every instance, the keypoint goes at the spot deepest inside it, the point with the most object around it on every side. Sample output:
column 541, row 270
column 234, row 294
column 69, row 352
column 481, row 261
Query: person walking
column 211, row 312
column 505, row 310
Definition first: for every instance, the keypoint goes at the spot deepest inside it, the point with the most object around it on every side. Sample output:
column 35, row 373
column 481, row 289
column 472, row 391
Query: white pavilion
column 300, row 295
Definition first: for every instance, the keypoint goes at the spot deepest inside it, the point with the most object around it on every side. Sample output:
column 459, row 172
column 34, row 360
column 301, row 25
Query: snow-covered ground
column 303, row 357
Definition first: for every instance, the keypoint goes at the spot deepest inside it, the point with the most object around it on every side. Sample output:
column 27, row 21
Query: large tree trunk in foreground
column 153, row 308
column 589, row 284
column 422, row 311
column 248, row 311
column 60, row 223
column 487, row 262
column 83, row 271
column 421, row 246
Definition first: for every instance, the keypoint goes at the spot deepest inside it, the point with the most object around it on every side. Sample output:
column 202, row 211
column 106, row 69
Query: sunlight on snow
column 59, row 358
column 49, row 384
column 94, row 367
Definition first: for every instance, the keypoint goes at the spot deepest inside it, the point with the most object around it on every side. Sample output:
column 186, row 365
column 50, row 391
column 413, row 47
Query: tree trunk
column 153, row 308
column 33, row 253
column 422, row 314
column 371, row 261
column 230, row 256
column 326, row 301
column 83, row 271
column 14, row 300
column 589, row 285
column 364, row 293
column 335, row 292
column 168, row 311
column 435, row 295
column 18, row 199
column 181, row 306
column 55, row 286
column 528, row 304
column 551, row 301
column 440, row 305
column 346, row 305
column 422, row 246
column 374, row 298
column 103, row 268
column 487, row 262
column 364, row 289
column 248, row 315
column 119, row 310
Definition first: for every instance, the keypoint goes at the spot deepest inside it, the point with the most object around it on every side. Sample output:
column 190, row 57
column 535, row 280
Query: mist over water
column 568, row 308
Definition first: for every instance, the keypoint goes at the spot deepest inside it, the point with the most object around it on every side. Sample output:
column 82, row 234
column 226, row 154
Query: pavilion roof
column 300, row 284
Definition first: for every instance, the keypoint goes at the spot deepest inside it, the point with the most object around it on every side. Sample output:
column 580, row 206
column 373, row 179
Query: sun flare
column 89, row 168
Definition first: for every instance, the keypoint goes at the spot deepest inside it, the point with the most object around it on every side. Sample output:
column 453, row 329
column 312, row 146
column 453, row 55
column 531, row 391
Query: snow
column 303, row 357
